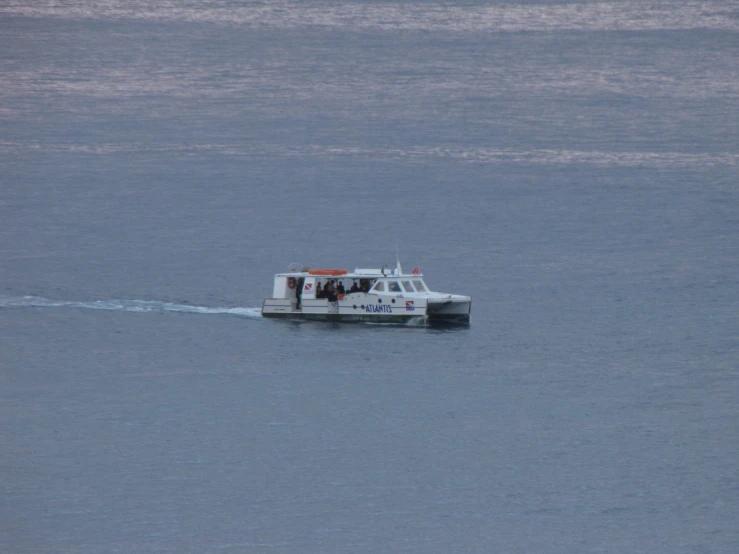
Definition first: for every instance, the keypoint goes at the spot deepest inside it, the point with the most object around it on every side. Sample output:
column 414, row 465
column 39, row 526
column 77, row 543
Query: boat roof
column 296, row 270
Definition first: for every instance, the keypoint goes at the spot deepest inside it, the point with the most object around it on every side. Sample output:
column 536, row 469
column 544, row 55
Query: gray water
column 572, row 167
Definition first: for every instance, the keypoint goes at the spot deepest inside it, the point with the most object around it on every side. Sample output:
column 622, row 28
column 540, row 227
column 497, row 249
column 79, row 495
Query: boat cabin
column 312, row 283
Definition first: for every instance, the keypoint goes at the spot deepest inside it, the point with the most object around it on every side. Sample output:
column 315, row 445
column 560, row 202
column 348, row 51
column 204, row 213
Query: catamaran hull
column 397, row 320
column 416, row 312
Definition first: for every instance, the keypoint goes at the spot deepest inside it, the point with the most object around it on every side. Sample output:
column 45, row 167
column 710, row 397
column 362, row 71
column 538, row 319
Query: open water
column 571, row 166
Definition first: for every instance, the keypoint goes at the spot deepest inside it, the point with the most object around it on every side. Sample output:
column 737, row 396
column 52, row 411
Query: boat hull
column 352, row 318
column 366, row 308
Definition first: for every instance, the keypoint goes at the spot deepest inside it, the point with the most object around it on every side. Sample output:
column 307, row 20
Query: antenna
column 398, row 269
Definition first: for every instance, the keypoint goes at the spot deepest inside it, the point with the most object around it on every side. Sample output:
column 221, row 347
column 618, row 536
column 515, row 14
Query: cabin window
column 379, row 286
column 420, row 287
column 393, row 286
column 407, row 286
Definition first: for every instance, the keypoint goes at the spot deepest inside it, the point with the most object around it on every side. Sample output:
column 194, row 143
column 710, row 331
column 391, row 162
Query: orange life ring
column 328, row 272
column 291, row 282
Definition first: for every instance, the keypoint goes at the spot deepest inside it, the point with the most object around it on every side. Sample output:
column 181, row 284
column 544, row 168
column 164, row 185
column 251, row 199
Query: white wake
column 124, row 305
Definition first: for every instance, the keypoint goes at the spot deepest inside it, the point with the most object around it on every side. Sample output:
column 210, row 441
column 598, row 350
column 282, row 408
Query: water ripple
column 435, row 16
column 410, row 154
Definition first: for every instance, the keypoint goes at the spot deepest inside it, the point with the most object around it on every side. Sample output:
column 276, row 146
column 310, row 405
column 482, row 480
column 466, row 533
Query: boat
column 375, row 295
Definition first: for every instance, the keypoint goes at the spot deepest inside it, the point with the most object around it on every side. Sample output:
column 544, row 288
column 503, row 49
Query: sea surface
column 574, row 167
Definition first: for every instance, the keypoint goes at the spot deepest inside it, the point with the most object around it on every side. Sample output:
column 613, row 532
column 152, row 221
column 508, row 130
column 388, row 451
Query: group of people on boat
column 334, row 289
column 330, row 290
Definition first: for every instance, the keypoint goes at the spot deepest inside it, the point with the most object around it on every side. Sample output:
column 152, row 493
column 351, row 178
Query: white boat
column 376, row 295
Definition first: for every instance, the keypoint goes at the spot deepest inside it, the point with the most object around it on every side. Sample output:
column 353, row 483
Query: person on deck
column 299, row 291
column 330, row 292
